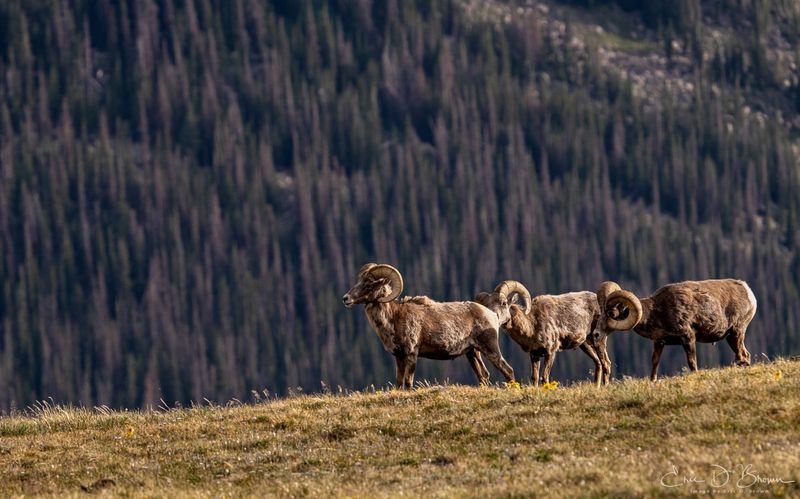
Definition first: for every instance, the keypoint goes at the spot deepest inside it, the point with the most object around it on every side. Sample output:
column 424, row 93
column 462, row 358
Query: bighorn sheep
column 421, row 327
column 680, row 314
column 550, row 323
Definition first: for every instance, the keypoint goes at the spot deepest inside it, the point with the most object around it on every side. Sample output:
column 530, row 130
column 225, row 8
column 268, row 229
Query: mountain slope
column 441, row 440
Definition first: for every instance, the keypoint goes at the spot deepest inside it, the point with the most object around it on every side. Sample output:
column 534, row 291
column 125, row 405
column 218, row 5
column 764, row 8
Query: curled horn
column 606, row 288
column 366, row 268
column 387, row 271
column 508, row 288
column 629, row 300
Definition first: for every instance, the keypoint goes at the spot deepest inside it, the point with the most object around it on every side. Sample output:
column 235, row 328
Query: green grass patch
column 618, row 440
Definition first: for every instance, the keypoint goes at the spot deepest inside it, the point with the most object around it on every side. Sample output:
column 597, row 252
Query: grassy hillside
column 450, row 440
column 187, row 188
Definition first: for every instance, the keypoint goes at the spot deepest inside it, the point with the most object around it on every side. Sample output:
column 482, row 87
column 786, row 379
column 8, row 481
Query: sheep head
column 376, row 283
column 505, row 295
column 620, row 310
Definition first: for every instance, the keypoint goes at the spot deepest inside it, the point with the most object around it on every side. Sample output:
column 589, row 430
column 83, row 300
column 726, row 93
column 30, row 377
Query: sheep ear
column 513, row 299
column 379, row 284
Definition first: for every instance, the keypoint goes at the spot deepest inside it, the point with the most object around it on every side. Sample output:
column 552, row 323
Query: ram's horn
column 630, row 301
column 606, row 289
column 395, row 279
column 508, row 288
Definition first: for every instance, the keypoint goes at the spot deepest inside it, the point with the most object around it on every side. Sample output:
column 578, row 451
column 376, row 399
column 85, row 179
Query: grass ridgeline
column 735, row 429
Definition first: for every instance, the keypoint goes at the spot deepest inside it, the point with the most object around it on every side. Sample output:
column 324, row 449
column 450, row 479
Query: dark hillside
column 188, row 187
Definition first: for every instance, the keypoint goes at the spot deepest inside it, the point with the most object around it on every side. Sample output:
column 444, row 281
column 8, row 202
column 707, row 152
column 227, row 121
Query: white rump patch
column 751, row 296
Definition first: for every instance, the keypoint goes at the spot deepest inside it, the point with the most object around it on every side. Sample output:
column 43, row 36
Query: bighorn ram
column 680, row 314
column 421, row 327
column 550, row 323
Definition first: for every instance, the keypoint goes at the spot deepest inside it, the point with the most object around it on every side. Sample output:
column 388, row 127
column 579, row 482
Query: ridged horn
column 508, row 288
column 366, row 268
column 395, row 279
column 605, row 289
column 634, row 306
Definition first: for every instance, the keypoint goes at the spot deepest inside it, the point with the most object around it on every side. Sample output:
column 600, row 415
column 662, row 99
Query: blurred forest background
column 188, row 187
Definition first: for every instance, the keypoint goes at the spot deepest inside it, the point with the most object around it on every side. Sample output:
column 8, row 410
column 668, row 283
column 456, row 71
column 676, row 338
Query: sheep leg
column 400, row 360
column 736, row 340
column 549, row 358
column 658, row 347
column 478, row 366
column 602, row 352
column 598, row 367
column 411, row 366
column 534, row 370
column 488, row 345
column 500, row 363
column 689, row 346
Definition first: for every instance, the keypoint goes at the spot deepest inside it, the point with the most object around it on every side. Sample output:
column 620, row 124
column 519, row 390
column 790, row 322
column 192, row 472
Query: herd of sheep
column 677, row 314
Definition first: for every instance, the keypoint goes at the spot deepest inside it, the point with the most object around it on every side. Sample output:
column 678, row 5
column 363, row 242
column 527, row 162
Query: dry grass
column 440, row 441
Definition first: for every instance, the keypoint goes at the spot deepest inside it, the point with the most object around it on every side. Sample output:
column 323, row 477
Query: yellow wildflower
column 129, row 431
column 778, row 375
column 550, row 386
column 513, row 385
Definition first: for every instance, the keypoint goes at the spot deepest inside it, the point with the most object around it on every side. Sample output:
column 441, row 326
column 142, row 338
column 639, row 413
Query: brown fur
column 420, row 327
column 554, row 323
column 692, row 311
